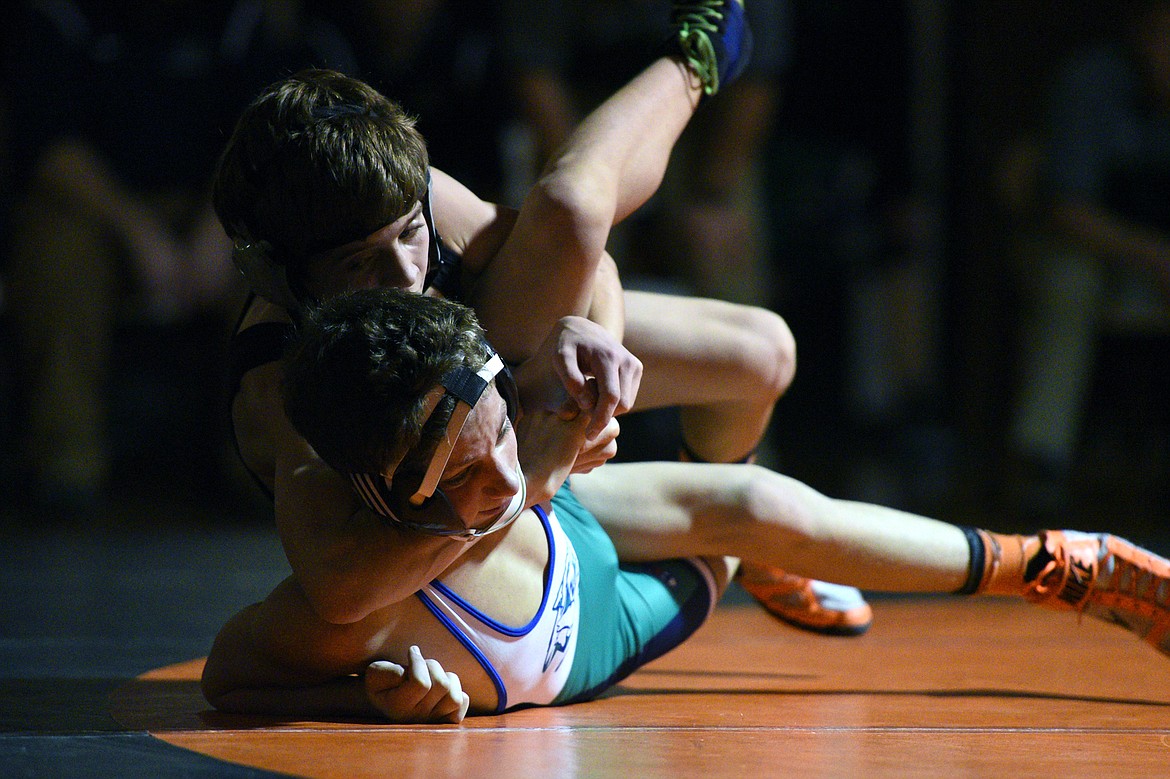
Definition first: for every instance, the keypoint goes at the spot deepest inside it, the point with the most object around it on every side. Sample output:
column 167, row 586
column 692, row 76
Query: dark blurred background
column 886, row 177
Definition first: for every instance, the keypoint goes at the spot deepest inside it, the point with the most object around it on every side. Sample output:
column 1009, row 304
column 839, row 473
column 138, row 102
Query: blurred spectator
column 1102, row 254
column 438, row 59
column 858, row 243
column 122, row 111
column 704, row 231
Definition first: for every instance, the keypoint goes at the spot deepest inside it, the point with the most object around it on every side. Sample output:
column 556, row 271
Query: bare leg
column 611, row 164
column 656, row 510
column 723, row 364
column 663, row 509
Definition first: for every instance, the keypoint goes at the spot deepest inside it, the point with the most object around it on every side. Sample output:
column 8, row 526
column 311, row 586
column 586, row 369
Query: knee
column 771, row 354
column 763, row 499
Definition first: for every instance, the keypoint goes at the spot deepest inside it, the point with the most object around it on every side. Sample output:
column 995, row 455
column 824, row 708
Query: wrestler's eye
column 412, row 230
column 458, row 479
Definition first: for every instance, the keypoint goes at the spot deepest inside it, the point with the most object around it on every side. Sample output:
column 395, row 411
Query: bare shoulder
column 473, row 227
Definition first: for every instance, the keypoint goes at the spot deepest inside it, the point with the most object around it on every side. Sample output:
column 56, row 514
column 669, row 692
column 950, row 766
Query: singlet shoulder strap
column 444, row 264
column 254, row 346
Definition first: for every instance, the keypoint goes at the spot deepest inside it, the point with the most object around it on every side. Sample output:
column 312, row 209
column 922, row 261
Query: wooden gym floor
column 104, row 628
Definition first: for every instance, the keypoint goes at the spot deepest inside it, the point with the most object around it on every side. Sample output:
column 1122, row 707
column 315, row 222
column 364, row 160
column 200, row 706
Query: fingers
column 585, row 350
column 451, row 707
column 617, row 387
column 420, row 692
column 383, row 675
column 576, row 384
column 608, row 397
column 598, row 450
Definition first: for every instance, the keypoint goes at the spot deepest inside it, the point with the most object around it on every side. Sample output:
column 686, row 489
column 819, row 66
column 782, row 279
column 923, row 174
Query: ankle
column 1007, row 562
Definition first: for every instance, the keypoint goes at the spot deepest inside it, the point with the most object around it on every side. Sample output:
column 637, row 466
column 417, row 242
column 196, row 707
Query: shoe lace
column 1046, row 583
column 1068, row 575
column 696, row 22
column 1133, row 586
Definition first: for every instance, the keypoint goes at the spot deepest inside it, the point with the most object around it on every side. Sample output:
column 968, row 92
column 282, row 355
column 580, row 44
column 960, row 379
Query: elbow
column 336, row 604
column 576, row 208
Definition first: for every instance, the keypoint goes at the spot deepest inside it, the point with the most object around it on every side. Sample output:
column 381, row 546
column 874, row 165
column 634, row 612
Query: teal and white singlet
column 598, row 620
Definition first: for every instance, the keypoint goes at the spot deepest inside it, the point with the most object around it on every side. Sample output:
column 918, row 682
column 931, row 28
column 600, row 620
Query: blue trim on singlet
column 472, row 649
column 489, row 669
column 498, row 626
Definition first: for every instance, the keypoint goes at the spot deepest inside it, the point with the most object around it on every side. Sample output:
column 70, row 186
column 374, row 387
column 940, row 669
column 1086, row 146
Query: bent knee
column 770, row 353
column 765, row 498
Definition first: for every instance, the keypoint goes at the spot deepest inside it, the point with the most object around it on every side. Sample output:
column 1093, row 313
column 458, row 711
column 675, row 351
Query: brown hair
column 317, row 160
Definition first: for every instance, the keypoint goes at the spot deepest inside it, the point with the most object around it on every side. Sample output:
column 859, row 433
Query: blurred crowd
column 816, row 186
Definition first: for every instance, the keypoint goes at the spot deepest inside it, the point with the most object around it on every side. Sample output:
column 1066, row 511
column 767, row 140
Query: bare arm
column 607, row 306
column 242, row 676
column 347, row 560
column 276, row 658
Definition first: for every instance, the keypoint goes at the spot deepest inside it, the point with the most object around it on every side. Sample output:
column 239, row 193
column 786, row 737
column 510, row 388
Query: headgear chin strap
column 419, row 503
column 435, row 516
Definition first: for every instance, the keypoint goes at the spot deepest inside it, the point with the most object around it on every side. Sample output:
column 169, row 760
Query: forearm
column 344, row 697
column 348, row 561
column 365, row 565
column 608, row 307
column 269, row 659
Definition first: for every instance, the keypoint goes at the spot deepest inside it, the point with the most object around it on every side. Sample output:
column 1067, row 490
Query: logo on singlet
column 562, row 630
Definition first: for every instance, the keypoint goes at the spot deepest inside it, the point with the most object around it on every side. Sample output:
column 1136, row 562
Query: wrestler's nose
column 505, row 481
column 399, row 271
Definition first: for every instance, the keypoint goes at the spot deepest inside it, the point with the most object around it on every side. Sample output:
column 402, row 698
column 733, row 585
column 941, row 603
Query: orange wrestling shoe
column 1106, row 577
column 820, row 607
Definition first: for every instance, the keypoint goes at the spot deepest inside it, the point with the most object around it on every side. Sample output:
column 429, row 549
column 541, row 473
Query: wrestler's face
column 482, row 475
column 393, row 256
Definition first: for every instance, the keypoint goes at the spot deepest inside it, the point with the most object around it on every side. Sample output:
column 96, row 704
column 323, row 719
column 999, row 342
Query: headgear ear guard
column 417, row 502
column 264, row 274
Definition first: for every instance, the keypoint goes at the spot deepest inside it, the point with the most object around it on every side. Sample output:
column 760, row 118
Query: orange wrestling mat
column 938, row 687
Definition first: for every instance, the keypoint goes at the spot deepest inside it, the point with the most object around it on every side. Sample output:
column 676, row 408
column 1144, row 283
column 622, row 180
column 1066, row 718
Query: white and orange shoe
column 1105, row 577
column 820, row 607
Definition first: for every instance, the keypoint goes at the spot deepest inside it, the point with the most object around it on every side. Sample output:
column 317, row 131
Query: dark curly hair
column 360, row 368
